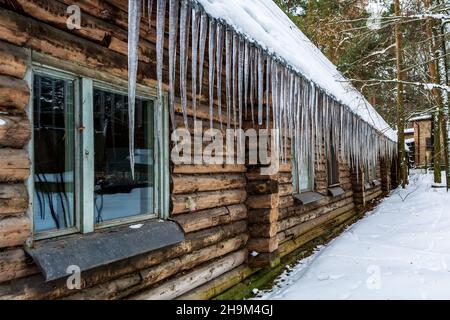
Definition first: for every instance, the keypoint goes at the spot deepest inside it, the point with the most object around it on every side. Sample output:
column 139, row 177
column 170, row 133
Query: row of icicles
column 254, row 80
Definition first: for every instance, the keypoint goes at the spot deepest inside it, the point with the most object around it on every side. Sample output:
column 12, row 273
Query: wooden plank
column 15, row 132
column 14, row 263
column 14, row 93
column 178, row 286
column 14, row 231
column 263, row 201
column 14, row 165
column 13, row 199
column 13, row 60
column 195, row 183
column 205, row 200
column 191, row 169
column 205, row 219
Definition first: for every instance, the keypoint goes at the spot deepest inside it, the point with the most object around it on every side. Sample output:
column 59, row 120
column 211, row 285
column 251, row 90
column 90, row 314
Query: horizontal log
column 262, row 187
column 205, row 200
column 180, row 285
column 15, row 132
column 14, row 165
column 14, row 231
column 196, row 183
column 14, row 93
column 257, row 216
column 209, row 218
column 263, row 201
column 191, row 169
column 263, row 230
column 261, row 245
column 333, row 226
column 35, row 288
column 14, row 60
column 219, row 285
column 14, row 263
column 13, row 199
column 285, row 189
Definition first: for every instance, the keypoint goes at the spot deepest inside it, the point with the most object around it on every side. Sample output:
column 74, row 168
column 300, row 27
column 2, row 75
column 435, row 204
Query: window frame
column 296, row 174
column 84, row 86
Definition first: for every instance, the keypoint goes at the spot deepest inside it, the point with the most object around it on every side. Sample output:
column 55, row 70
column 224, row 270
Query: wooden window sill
column 308, row 197
column 88, row 251
column 335, row 191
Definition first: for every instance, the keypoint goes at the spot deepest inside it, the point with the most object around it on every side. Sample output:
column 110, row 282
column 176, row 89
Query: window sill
column 308, row 197
column 376, row 183
column 335, row 191
column 93, row 250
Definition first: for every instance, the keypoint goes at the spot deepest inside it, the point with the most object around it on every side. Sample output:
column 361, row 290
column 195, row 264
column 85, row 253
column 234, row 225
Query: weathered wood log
column 262, row 187
column 285, row 189
column 13, row 199
column 34, row 287
column 14, row 263
column 14, row 93
column 219, row 285
column 14, row 60
column 195, row 183
column 291, row 245
column 191, row 169
column 15, row 132
column 263, row 244
column 14, row 231
column 263, row 230
column 285, row 178
column 257, row 216
column 263, row 201
column 14, row 165
column 205, row 200
column 205, row 219
column 178, row 286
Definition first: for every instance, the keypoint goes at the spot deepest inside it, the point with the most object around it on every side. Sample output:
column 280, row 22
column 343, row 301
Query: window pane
column 333, row 167
column 117, row 194
column 53, row 129
column 305, row 179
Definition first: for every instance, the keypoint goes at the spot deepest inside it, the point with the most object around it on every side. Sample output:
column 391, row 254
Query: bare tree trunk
column 434, row 76
column 402, row 168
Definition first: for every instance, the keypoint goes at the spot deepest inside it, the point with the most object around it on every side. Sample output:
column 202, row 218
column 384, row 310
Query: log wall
column 226, row 211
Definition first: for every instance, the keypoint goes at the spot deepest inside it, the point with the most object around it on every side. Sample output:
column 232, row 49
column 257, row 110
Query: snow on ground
column 401, row 250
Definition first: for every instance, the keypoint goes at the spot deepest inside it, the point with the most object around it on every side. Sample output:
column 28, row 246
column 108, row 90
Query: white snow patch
column 2, row 122
column 254, row 254
column 137, row 226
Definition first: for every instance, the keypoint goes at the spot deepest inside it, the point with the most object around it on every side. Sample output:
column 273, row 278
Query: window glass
column 333, row 167
column 117, row 194
column 53, row 143
column 304, row 174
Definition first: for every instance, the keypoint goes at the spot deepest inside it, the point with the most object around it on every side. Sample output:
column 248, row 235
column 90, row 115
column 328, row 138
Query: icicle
column 194, row 54
column 183, row 53
column 260, row 87
column 149, row 13
column 234, row 77
column 219, row 61
column 240, row 74
column 246, row 76
column 211, row 51
column 252, row 82
column 228, row 52
column 173, row 27
column 268, row 68
column 134, row 20
column 201, row 48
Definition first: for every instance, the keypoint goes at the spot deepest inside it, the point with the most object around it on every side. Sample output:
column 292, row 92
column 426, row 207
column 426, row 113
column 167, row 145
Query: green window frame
column 84, row 153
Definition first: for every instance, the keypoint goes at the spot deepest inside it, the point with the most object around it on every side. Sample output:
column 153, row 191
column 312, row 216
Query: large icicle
column 160, row 25
column 173, row 28
column 234, row 76
column 149, row 13
column 260, row 87
column 194, row 54
column 240, row 74
column 211, row 53
column 183, row 53
column 134, row 20
column 246, row 74
column 228, row 52
column 201, row 49
column 219, row 62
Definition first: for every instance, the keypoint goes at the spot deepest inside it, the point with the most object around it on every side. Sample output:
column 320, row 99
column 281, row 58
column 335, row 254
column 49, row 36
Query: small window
column 54, row 153
column 82, row 176
column 117, row 194
column 333, row 166
column 302, row 172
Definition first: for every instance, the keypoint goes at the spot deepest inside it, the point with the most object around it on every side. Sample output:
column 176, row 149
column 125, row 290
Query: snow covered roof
column 263, row 22
column 422, row 117
column 409, row 130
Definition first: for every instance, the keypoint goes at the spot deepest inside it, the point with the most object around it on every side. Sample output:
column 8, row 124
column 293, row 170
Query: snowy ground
column 401, row 250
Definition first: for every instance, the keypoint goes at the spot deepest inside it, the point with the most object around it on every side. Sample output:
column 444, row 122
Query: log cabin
column 92, row 203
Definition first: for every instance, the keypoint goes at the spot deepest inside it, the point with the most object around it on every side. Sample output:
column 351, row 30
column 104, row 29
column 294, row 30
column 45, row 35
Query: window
column 82, row 177
column 302, row 172
column 333, row 166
